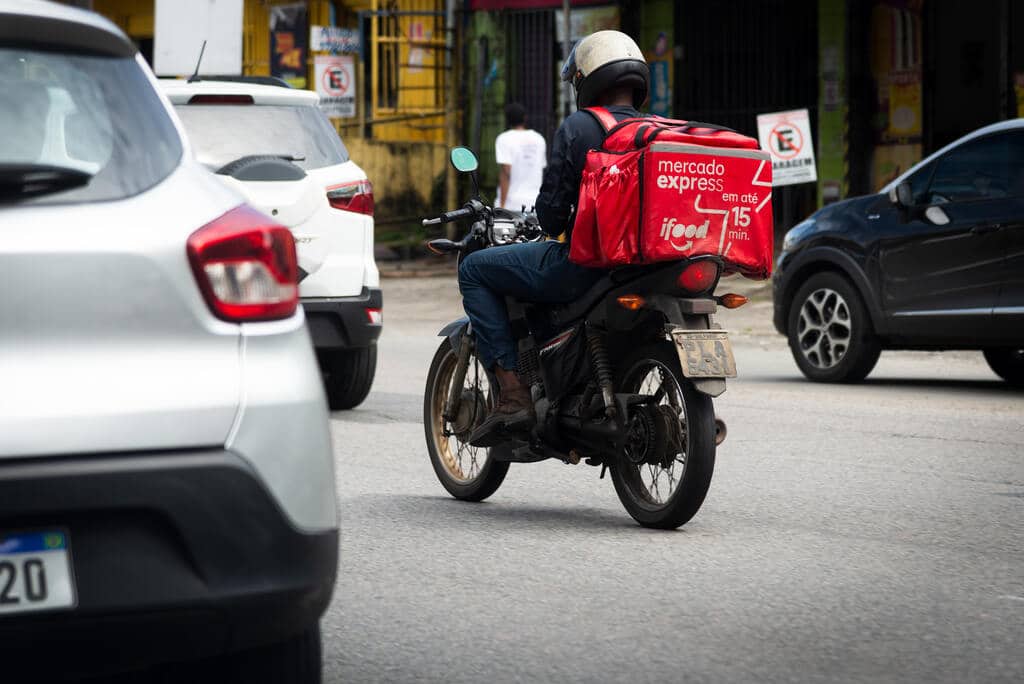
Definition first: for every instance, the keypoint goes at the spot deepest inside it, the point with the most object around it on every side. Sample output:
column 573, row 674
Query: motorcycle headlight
column 503, row 232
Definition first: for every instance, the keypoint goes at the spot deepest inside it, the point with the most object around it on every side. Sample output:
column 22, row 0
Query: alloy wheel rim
column 824, row 328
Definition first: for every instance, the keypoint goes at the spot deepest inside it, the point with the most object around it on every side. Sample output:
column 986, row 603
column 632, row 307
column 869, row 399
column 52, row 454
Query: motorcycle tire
column 480, row 476
column 644, row 501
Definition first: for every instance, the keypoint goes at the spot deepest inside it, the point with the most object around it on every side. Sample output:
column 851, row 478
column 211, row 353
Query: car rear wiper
column 20, row 181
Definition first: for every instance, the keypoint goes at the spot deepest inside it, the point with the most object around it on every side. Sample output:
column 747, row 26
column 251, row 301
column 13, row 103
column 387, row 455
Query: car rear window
column 96, row 114
column 222, row 133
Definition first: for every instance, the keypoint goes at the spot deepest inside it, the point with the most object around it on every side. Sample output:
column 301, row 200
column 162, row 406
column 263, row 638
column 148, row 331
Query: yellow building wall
column 135, row 17
column 404, row 159
column 408, row 71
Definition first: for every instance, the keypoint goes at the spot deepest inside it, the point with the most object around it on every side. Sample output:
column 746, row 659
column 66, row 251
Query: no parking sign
column 336, row 85
column 786, row 136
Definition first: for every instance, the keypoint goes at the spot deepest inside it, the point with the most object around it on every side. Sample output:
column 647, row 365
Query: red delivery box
column 668, row 201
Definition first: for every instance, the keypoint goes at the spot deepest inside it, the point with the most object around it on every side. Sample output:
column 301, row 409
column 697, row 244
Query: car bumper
column 174, row 556
column 342, row 322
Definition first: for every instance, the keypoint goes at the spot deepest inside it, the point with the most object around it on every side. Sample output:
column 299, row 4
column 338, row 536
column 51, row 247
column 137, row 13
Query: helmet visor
column 569, row 68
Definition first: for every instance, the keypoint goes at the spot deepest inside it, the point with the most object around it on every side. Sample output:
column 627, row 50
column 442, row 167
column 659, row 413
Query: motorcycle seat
column 571, row 311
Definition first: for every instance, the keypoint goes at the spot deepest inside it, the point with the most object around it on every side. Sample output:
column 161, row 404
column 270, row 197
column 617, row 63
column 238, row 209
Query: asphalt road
column 872, row 533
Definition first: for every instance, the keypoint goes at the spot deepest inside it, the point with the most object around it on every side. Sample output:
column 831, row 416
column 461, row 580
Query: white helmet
column 604, row 60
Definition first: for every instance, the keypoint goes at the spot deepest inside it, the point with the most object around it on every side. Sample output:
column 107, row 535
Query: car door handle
column 982, row 228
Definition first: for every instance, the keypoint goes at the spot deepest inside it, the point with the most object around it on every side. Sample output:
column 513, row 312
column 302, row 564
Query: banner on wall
column 786, row 136
column 659, row 57
column 336, row 85
column 334, row 39
column 584, row 21
column 288, row 43
column 181, row 26
column 1019, row 87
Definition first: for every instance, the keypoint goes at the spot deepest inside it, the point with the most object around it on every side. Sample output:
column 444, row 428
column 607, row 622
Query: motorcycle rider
column 606, row 69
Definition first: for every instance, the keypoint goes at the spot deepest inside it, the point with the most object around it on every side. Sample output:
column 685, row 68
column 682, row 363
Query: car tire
column 1007, row 363
column 348, row 375
column 830, row 332
column 296, row 660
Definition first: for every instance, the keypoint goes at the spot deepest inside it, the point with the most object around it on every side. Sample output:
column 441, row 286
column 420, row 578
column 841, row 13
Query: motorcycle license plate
column 35, row 572
column 705, row 353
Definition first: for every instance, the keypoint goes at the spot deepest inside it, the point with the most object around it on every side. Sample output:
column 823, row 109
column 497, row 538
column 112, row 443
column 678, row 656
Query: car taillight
column 698, row 276
column 357, row 197
column 246, row 267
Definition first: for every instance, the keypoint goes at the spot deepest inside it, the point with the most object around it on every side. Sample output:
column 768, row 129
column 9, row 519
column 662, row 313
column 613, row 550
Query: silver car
column 166, row 474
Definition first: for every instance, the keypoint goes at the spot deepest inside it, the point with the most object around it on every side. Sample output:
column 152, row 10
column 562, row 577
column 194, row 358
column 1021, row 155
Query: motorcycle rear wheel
column 468, row 473
column 655, row 495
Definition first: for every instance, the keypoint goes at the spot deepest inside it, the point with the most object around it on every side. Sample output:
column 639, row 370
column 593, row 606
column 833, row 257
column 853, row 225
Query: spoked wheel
column 467, row 472
column 665, row 469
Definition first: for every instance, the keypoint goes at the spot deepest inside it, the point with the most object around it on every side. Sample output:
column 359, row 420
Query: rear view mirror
column 463, row 159
column 902, row 195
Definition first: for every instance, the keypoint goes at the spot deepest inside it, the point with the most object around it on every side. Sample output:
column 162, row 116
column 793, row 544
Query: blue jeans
column 533, row 272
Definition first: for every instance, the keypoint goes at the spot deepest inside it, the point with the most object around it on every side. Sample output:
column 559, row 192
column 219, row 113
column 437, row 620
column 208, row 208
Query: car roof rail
column 256, row 80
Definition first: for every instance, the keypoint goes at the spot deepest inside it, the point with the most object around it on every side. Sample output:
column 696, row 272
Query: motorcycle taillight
column 698, row 277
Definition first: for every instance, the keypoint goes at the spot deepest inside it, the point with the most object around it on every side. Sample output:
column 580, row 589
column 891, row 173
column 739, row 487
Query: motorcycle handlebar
column 449, row 216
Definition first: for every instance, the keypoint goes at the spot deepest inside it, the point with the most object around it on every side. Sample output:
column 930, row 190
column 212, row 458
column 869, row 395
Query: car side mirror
column 902, row 195
column 936, row 215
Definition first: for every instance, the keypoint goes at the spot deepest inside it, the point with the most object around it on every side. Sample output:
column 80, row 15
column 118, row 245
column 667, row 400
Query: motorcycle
column 622, row 379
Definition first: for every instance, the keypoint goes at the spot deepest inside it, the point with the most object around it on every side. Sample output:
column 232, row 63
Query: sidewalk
column 440, row 266
column 427, row 267
column 426, row 291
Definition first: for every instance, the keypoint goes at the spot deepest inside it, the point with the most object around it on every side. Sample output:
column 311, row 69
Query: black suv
column 934, row 261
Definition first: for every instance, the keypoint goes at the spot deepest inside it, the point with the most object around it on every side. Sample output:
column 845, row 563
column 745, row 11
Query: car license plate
column 705, row 353
column 35, row 572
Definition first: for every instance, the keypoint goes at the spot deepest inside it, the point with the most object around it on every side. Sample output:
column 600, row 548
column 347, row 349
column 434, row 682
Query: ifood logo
column 672, row 230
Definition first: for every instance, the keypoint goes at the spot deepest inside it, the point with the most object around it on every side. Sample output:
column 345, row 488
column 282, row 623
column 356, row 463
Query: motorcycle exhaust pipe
column 720, row 431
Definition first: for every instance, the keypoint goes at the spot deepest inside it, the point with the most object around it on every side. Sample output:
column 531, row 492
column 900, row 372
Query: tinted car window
column 223, row 133
column 987, row 168
column 95, row 114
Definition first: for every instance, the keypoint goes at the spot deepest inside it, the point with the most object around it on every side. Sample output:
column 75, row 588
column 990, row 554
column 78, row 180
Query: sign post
column 336, row 85
column 786, row 136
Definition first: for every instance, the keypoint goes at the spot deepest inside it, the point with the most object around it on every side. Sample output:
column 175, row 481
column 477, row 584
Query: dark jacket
column 560, row 188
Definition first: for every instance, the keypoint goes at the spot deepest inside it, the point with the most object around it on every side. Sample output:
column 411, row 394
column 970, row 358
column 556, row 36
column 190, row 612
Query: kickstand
column 604, row 467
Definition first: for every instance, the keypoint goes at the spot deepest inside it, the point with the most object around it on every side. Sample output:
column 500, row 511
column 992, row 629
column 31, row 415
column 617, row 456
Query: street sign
column 786, row 136
column 334, row 39
column 336, row 85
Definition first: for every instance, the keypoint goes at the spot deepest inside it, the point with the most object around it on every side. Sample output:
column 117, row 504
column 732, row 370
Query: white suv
column 167, row 481
column 275, row 146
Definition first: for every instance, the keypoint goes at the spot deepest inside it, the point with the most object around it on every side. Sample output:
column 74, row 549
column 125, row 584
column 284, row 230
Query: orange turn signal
column 631, row 302
column 732, row 300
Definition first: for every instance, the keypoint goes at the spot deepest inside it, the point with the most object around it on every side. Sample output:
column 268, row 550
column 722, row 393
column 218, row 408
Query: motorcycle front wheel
column 665, row 470
column 468, row 473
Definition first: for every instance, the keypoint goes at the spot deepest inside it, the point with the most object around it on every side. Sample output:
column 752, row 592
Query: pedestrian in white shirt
column 522, row 155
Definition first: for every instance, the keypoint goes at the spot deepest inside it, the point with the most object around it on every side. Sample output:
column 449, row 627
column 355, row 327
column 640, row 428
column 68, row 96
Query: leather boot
column 513, row 412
